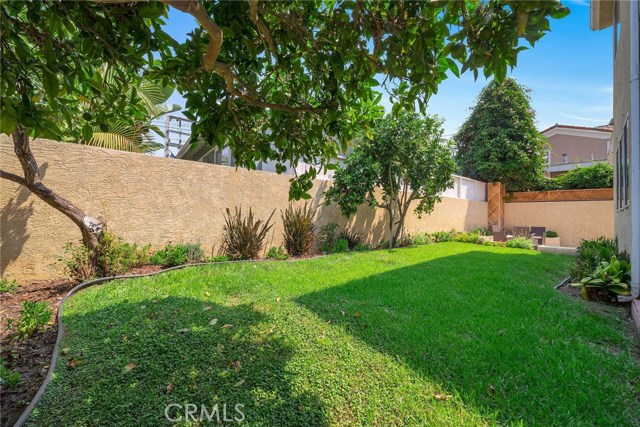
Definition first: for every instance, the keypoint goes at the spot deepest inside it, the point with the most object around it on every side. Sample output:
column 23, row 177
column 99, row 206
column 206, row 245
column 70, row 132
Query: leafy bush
column 76, row 263
column 328, row 236
column 9, row 379
column 244, row 237
column 464, row 237
column 341, row 245
column 443, row 236
column 608, row 279
column 299, row 230
column 599, row 175
column 422, row 239
column 362, row 247
column 194, row 252
column 217, row 258
column 353, row 238
column 520, row 243
column 170, row 256
column 8, row 286
column 115, row 257
column 405, row 241
column 482, row 231
column 34, row 316
column 277, row 253
column 551, row 234
column 591, row 253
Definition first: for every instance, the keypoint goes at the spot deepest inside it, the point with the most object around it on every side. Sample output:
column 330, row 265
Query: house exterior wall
column 577, row 148
column 147, row 199
column 621, row 107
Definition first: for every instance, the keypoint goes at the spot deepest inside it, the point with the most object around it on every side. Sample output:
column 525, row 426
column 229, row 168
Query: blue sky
column 569, row 72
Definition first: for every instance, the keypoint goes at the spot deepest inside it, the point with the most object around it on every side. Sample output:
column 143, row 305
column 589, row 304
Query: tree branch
column 12, row 177
column 263, row 30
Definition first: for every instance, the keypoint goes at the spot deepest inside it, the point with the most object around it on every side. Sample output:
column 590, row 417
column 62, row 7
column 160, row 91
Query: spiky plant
column 299, row 229
column 244, row 237
column 353, row 238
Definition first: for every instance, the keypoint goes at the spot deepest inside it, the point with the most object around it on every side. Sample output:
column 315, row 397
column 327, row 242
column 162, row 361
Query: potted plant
column 552, row 238
column 609, row 279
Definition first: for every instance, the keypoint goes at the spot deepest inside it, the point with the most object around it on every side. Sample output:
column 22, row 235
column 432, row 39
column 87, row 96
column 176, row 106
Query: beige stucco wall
column 577, row 148
column 621, row 107
column 155, row 200
column 572, row 220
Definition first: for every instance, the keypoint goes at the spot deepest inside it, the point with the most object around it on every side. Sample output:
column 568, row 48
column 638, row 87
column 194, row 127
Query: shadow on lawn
column 490, row 328
column 180, row 358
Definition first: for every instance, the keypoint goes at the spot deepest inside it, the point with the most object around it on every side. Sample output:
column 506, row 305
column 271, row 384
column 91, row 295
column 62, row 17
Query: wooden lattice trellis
column 495, row 204
column 561, row 195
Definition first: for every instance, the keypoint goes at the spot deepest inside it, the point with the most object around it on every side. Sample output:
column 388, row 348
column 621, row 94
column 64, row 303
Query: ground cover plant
column 442, row 335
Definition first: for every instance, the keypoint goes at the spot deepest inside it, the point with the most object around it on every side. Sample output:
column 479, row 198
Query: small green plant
column 34, row 316
column 520, row 243
column 243, row 237
column 341, row 245
column 405, row 241
column 8, row 286
column 217, row 258
column 352, row 237
column 194, row 252
column 422, row 239
column 591, row 252
column 609, row 279
column 362, row 247
column 443, row 236
column 9, row 379
column 482, row 231
column 277, row 253
column 170, row 256
column 551, row 234
column 328, row 236
column 76, row 263
column 464, row 237
column 298, row 229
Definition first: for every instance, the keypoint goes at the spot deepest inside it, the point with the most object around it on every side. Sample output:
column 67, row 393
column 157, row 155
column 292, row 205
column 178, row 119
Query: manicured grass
column 442, row 335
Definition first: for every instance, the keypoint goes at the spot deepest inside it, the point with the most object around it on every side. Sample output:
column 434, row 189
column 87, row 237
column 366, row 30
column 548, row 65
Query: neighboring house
column 201, row 152
column 624, row 17
column 572, row 146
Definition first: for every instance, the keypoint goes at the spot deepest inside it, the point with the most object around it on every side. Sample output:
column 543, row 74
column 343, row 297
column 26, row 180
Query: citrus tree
column 286, row 81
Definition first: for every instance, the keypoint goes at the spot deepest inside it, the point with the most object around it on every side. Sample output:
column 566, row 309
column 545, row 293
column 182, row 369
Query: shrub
column 244, row 237
column 277, row 253
column 610, row 278
column 353, row 238
column 464, row 237
column 170, row 256
column 405, row 241
column 9, row 379
column 422, row 239
column 362, row 247
column 217, row 258
column 599, row 175
column 299, row 230
column 483, row 231
column 328, row 236
column 591, row 252
column 76, row 263
column 8, row 286
column 341, row 245
column 443, row 236
column 551, row 234
column 34, row 316
column 194, row 252
column 520, row 243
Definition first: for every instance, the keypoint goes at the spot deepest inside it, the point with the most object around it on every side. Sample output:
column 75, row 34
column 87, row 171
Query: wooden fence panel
column 561, row 195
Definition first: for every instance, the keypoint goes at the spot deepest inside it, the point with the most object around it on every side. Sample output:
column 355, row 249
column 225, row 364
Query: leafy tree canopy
column 287, row 81
column 499, row 141
column 406, row 158
column 599, row 175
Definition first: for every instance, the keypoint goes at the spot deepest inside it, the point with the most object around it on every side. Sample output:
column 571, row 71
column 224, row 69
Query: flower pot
column 552, row 241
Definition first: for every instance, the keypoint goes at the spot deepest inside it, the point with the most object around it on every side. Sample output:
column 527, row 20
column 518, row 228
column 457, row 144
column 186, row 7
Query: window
column 565, row 157
column 622, row 169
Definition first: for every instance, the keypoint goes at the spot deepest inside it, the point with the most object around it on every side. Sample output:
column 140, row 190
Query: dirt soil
column 31, row 357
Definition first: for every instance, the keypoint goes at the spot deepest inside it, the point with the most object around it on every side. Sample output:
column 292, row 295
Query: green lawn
column 441, row 335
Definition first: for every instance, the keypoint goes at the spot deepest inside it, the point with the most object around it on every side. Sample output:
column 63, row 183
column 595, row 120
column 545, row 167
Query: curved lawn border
column 54, row 357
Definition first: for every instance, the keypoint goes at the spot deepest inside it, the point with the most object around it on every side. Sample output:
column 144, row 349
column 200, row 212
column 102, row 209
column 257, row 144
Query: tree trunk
column 391, row 218
column 33, row 182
